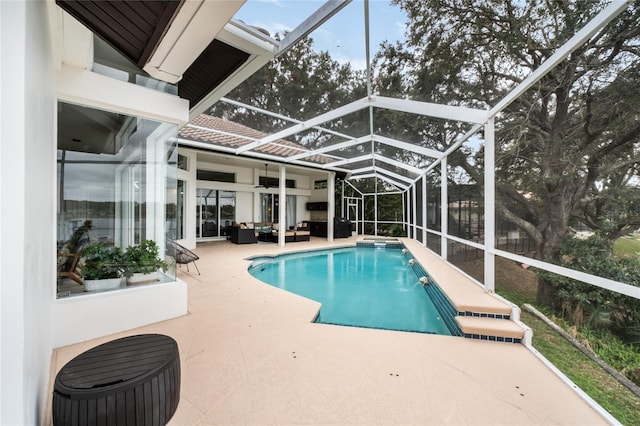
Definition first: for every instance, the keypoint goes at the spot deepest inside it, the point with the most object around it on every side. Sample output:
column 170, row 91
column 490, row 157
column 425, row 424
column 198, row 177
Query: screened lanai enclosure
column 481, row 129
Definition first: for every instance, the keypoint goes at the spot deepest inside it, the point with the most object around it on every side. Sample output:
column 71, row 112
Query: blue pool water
column 358, row 286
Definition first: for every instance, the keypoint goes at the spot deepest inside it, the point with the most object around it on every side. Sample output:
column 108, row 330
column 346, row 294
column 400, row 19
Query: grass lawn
column 627, row 246
column 597, row 383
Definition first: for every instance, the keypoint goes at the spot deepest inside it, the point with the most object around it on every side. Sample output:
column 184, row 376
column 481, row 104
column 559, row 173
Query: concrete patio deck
column 250, row 355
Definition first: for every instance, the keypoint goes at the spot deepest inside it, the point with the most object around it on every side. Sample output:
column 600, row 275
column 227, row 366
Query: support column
column 489, row 205
column 444, row 208
column 257, row 207
column 344, row 209
column 282, row 206
column 424, row 210
column 331, row 204
column 375, row 209
column 405, row 223
column 414, row 212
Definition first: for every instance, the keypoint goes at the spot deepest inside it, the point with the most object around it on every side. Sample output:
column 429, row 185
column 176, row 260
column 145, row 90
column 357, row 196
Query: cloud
column 273, row 27
column 359, row 64
column 324, row 39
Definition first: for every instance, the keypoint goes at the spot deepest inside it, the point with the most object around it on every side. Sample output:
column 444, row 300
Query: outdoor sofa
column 298, row 233
column 248, row 233
column 240, row 235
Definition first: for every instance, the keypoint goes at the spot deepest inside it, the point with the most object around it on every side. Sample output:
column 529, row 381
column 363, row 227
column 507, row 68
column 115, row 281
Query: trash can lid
column 119, row 363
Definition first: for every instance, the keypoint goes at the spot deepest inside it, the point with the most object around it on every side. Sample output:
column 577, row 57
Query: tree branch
column 526, row 226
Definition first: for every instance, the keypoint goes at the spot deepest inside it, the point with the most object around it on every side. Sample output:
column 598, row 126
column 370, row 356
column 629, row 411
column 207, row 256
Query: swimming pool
column 357, row 286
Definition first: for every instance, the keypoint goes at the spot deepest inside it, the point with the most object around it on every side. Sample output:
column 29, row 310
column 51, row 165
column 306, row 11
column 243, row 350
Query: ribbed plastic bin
column 134, row 380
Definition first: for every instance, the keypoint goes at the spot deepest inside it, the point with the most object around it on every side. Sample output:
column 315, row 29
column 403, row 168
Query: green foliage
column 567, row 148
column 301, row 84
column 143, row 258
column 591, row 306
column 624, row 357
column 397, row 230
column 101, row 262
column 390, row 207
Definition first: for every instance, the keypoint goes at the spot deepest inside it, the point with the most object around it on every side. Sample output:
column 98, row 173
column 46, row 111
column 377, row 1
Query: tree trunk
column 556, row 219
column 546, row 294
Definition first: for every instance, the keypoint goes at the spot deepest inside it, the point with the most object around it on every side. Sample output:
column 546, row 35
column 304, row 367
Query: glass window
column 182, row 162
column 115, row 183
column 227, row 208
column 213, row 176
column 175, row 210
column 291, row 211
column 215, row 212
column 269, row 205
column 271, row 182
column 109, row 62
column 320, row 184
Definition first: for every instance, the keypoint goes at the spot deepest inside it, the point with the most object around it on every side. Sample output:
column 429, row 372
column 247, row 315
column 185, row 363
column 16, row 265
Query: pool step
column 493, row 329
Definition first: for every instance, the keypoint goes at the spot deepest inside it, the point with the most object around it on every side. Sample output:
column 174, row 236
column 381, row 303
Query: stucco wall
column 27, row 210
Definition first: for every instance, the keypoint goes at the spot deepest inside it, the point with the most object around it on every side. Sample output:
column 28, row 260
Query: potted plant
column 102, row 267
column 143, row 262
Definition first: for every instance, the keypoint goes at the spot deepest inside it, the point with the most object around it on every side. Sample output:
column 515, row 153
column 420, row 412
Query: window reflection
column 114, row 171
column 215, row 212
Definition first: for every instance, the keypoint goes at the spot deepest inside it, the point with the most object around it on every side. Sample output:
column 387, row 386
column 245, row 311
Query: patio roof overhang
column 193, row 44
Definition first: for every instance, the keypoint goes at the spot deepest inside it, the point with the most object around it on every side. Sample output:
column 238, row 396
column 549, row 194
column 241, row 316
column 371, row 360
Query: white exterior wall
column 301, row 208
column 244, row 208
column 189, row 179
column 27, row 211
column 104, row 313
column 89, row 316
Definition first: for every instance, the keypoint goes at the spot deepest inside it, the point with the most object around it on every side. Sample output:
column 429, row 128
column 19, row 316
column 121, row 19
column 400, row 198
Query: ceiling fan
column 266, row 178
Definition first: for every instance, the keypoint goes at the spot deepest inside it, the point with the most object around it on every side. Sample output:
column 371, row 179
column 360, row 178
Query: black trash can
column 134, row 380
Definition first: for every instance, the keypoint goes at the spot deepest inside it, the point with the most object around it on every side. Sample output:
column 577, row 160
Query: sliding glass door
column 215, row 211
column 269, row 208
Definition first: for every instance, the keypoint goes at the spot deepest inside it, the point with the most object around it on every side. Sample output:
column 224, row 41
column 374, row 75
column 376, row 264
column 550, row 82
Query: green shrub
column 143, row 258
column 397, row 230
column 625, row 358
column 101, row 262
column 591, row 306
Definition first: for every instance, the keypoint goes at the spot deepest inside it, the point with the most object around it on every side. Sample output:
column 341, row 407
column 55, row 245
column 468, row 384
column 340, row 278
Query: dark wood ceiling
column 132, row 27
column 135, row 28
column 212, row 67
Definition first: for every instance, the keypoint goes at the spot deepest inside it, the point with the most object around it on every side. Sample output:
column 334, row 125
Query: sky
column 342, row 35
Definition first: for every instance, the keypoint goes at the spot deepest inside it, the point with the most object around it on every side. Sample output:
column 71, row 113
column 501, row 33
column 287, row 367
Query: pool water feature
column 369, row 287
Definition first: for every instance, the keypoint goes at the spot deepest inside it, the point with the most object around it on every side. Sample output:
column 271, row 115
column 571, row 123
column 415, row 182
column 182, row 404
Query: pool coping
column 466, row 294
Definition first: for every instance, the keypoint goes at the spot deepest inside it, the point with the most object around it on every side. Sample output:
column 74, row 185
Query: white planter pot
column 98, row 285
column 139, row 277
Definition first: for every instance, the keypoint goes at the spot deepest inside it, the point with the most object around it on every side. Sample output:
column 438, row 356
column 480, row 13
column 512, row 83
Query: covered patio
column 250, row 354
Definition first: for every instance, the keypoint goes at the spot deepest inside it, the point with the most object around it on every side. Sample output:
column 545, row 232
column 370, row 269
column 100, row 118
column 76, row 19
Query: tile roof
column 220, row 132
